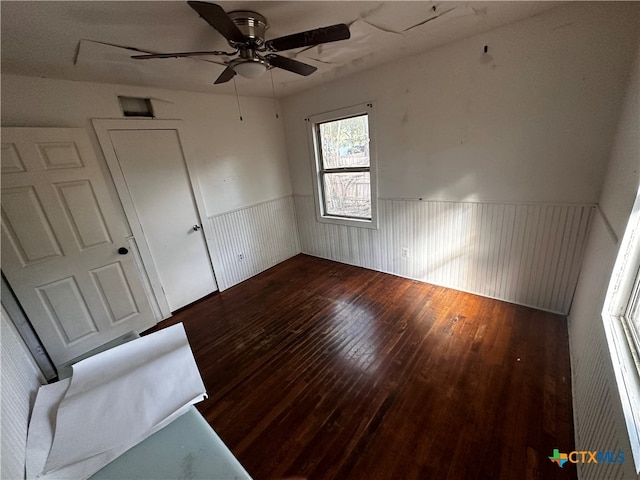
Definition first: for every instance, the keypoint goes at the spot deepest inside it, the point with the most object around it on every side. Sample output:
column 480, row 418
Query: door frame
column 16, row 315
column 102, row 128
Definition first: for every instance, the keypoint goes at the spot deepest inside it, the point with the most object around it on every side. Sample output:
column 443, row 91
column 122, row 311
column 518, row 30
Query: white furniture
column 186, row 448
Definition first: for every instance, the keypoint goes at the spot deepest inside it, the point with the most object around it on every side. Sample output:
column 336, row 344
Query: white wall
column 238, row 164
column 525, row 254
column 263, row 234
column 599, row 422
column 533, row 124
column 530, row 123
column 21, row 379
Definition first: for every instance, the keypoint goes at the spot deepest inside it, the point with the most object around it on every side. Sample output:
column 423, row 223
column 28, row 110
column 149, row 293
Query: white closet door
column 154, row 169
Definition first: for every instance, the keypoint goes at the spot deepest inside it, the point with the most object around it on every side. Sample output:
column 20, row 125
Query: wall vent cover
column 136, row 107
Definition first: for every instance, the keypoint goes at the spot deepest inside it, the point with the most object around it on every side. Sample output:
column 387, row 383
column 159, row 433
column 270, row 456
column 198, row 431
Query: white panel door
column 60, row 241
column 157, row 180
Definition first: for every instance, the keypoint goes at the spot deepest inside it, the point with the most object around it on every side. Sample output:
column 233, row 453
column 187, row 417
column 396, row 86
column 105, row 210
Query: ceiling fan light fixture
column 250, row 68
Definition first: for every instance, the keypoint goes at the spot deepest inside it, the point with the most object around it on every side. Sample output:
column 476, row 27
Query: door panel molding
column 83, row 213
column 38, row 243
column 67, row 309
column 108, row 278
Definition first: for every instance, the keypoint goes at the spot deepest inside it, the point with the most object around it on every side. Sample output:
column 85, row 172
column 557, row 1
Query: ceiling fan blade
column 316, row 36
column 225, row 76
column 291, row 65
column 174, row 55
column 215, row 16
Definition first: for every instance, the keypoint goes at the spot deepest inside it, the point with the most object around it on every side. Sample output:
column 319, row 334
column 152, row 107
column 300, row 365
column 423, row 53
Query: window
column 631, row 319
column 621, row 316
column 344, row 165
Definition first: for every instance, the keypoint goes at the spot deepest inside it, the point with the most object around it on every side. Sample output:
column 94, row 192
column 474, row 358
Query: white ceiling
column 82, row 40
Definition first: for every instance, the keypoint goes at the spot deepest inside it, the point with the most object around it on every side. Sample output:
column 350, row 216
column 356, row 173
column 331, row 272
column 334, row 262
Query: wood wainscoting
column 330, row 371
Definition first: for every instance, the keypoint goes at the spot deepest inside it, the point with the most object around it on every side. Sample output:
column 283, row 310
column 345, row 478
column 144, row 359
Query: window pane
column 633, row 311
column 345, row 143
column 348, row 194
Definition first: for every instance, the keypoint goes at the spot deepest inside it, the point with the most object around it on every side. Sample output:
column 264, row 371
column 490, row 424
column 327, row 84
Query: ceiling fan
column 244, row 31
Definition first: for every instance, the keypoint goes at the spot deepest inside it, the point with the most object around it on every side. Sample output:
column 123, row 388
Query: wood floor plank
column 329, row 371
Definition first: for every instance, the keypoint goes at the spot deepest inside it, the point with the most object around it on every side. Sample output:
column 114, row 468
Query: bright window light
column 344, row 165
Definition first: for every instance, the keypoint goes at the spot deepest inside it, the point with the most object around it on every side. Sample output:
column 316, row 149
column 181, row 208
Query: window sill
column 627, row 381
column 349, row 222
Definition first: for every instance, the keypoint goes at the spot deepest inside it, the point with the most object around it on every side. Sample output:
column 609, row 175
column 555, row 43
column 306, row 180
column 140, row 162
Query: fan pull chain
column 273, row 92
column 235, row 86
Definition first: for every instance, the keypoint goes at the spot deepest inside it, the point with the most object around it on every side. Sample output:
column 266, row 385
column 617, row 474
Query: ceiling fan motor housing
column 251, row 24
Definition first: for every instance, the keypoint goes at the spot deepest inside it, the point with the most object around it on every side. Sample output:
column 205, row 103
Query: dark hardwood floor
column 328, row 371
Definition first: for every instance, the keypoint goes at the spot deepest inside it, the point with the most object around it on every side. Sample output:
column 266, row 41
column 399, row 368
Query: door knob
column 196, row 228
column 123, row 251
